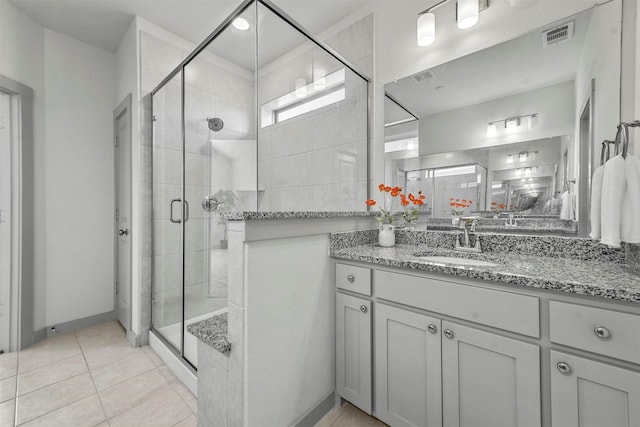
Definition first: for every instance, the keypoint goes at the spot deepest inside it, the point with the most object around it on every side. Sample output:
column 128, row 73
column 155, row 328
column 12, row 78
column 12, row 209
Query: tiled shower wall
column 318, row 161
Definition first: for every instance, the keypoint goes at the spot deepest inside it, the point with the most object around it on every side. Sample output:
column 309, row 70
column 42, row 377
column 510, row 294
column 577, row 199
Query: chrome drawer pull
column 602, row 332
column 448, row 333
column 564, row 368
column 432, row 328
column 351, row 278
column 363, row 308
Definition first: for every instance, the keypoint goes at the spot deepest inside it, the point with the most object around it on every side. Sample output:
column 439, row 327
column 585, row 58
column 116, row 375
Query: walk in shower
column 260, row 117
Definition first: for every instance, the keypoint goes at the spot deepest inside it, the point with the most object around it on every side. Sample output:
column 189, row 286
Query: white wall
column 80, row 88
column 466, row 127
column 22, row 59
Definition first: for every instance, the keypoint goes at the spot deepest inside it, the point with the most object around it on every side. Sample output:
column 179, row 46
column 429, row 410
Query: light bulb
column 492, row 129
column 426, row 29
column 240, row 24
column 511, row 125
column 468, row 12
column 532, row 121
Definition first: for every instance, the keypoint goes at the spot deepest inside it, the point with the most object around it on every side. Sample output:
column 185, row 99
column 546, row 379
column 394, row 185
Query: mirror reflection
column 516, row 127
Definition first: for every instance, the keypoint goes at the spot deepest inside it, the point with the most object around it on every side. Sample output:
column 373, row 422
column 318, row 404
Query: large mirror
column 517, row 127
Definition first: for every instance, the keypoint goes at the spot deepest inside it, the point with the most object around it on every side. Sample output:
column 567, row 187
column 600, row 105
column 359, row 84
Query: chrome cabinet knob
column 432, row 328
column 363, row 308
column 123, row 232
column 448, row 333
column 564, row 368
column 601, row 332
column 351, row 278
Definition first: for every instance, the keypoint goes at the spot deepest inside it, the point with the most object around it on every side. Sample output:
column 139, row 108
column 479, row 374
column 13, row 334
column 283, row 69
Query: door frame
column 22, row 200
column 123, row 108
column 585, row 160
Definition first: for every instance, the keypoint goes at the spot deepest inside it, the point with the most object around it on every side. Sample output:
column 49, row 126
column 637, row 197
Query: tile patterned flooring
column 348, row 416
column 91, row 378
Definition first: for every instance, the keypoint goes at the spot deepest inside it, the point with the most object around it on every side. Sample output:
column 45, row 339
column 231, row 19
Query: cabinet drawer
column 505, row 310
column 354, row 279
column 606, row 332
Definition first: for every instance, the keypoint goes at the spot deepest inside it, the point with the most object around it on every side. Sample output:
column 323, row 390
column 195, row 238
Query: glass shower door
column 168, row 266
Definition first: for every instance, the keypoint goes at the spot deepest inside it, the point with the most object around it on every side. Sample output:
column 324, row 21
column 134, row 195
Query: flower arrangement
column 497, row 208
column 410, row 203
column 458, row 205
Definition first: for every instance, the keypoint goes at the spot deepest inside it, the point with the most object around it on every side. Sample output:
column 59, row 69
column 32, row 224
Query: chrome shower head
column 215, row 124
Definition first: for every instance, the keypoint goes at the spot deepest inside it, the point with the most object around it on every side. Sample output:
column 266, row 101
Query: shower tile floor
column 91, row 377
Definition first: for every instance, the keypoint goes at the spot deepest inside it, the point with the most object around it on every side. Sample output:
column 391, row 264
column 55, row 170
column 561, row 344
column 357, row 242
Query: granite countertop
column 605, row 279
column 243, row 216
column 213, row 332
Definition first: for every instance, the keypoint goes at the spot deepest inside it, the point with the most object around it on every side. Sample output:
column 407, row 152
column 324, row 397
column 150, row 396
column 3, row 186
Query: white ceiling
column 102, row 23
column 516, row 66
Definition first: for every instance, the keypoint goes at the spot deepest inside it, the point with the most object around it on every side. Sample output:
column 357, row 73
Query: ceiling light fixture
column 240, row 24
column 467, row 12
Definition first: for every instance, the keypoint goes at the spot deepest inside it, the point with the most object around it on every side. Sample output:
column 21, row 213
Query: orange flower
column 404, row 202
column 381, row 187
column 493, row 203
column 452, row 204
column 370, row 202
column 387, row 188
column 395, row 191
column 411, row 197
column 418, row 202
column 450, row 198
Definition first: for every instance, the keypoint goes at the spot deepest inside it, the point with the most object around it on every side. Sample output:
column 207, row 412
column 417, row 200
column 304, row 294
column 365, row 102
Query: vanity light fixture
column 492, row 129
column 467, row 12
column 511, row 124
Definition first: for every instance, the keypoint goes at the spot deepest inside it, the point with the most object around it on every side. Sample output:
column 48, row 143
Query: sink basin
column 458, row 261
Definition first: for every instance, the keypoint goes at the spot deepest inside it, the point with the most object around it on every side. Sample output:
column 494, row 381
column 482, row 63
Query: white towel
column 566, row 209
column 596, row 202
column 613, row 189
column 630, row 217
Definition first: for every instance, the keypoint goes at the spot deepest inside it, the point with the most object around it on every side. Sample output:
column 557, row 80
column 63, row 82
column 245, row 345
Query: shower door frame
column 181, row 69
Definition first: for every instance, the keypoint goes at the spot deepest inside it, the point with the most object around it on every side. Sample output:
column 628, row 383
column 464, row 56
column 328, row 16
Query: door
column 489, row 380
column 122, row 128
column 353, row 350
column 408, row 368
column 590, row 394
column 5, row 222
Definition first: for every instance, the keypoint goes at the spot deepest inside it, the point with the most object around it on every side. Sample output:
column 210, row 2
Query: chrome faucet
column 512, row 222
column 468, row 226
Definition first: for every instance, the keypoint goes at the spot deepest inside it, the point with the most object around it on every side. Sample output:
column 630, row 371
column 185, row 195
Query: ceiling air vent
column 422, row 76
column 558, row 34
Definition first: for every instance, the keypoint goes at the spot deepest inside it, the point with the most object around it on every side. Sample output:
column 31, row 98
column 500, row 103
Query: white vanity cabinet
column 353, row 337
column 488, row 379
column 408, row 368
column 587, row 393
column 434, row 372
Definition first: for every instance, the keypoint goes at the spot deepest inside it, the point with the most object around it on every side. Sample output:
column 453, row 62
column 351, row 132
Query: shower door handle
column 175, row 221
column 186, row 211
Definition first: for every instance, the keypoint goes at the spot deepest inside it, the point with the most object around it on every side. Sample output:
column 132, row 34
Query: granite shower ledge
column 594, row 278
column 250, row 216
column 213, row 332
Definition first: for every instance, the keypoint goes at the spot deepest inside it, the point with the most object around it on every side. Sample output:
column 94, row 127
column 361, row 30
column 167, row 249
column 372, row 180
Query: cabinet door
column 353, row 350
column 592, row 394
column 489, row 380
column 408, row 368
